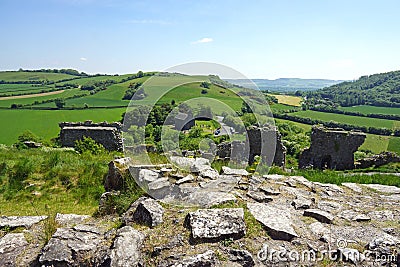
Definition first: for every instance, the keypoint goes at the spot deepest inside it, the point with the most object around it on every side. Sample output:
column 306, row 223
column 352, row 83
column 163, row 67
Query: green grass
column 394, row 145
column 44, row 123
column 364, row 109
column 42, row 182
column 354, row 120
column 32, row 76
column 338, row 178
column 23, row 88
column 67, row 93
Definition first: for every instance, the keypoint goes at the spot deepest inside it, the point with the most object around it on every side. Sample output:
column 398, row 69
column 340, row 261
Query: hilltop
column 381, row 89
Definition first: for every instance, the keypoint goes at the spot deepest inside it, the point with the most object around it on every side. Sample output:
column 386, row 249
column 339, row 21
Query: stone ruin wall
column 107, row 134
column 331, row 148
column 266, row 138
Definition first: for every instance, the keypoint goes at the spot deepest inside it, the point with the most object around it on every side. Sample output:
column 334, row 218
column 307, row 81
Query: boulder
column 320, row 215
column 126, row 248
column 70, row 219
column 211, row 225
column 301, row 203
column 259, row 196
column 319, row 230
column 144, row 211
column 117, row 169
column 269, row 191
column 187, row 179
column 276, row 220
column 147, row 176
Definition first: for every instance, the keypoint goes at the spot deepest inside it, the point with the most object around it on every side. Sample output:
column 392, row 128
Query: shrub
column 88, row 145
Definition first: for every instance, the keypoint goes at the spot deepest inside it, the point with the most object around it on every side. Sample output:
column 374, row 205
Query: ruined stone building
column 331, row 148
column 107, row 134
column 261, row 141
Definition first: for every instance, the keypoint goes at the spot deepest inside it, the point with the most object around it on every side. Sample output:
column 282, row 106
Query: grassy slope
column 23, row 88
column 44, row 123
column 372, row 109
column 361, row 121
column 33, row 76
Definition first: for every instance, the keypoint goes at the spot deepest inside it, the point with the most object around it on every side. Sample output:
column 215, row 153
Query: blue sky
column 262, row 39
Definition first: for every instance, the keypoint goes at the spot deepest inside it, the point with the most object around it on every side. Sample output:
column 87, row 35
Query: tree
column 140, row 74
column 60, row 102
column 205, row 85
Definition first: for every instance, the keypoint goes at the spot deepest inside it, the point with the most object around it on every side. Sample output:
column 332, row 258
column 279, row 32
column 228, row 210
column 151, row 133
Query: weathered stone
column 210, row 225
column 199, row 164
column 107, row 134
column 148, row 176
column 384, row 244
column 354, row 216
column 378, row 160
column 20, row 221
column 351, row 255
column 329, row 206
column 259, row 196
column 31, row 144
column 243, row 257
column 301, row 203
column 264, row 139
column 11, row 247
column 319, row 230
column 228, row 171
column 187, row 179
column 159, row 188
column 269, row 191
column 320, row 215
column 145, row 211
column 381, row 215
column 205, row 198
column 331, row 149
column 206, row 259
column 209, row 173
column 70, row 219
column 126, row 248
column 353, row 186
column 117, row 169
column 73, row 247
column 277, row 221
column 388, row 189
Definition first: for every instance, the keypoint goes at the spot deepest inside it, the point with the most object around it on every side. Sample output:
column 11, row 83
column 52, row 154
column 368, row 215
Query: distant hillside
column 377, row 90
column 286, row 84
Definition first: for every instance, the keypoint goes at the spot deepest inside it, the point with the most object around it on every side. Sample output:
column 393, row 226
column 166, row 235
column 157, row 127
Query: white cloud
column 203, row 40
column 83, row 59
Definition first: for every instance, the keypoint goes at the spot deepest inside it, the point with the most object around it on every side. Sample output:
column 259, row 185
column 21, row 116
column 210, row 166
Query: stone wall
column 265, row 138
column 331, row 148
column 378, row 160
column 107, row 134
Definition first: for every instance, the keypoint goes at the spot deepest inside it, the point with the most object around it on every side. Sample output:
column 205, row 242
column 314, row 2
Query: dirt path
column 31, row 95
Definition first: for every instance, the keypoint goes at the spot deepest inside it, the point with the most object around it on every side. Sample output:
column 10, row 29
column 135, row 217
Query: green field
column 372, row 110
column 341, row 118
column 23, row 88
column 44, row 123
column 13, row 76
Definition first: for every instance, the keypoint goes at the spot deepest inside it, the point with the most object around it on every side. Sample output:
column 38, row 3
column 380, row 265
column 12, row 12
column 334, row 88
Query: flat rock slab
column 20, row 221
column 320, row 215
column 211, row 225
column 228, row 171
column 187, row 179
column 259, row 196
column 70, row 219
column 389, row 189
column 206, row 259
column 72, row 246
column 353, row 186
column 301, row 203
column 277, row 221
column 126, row 249
column 11, row 247
column 206, row 199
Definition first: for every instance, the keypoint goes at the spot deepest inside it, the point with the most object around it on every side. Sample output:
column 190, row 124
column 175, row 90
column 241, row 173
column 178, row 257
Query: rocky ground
column 227, row 219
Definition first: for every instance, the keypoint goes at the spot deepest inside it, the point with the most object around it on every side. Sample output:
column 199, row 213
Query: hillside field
column 341, row 118
column 44, row 123
column 364, row 109
column 13, row 76
column 289, row 100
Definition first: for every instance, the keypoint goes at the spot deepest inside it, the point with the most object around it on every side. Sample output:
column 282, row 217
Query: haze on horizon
column 340, row 40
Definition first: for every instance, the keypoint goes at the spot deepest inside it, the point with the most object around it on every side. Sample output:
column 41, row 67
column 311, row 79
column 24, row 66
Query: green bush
column 88, row 145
